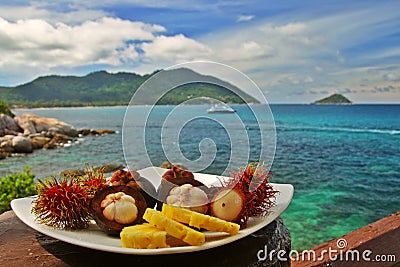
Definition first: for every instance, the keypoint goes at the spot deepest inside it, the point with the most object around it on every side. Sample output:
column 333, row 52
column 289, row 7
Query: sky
column 295, row 51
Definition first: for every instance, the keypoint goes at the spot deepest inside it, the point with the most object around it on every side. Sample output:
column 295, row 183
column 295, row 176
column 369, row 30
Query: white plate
column 94, row 238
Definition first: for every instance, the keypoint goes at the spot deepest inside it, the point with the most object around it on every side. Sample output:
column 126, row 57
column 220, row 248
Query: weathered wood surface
column 381, row 238
column 22, row 246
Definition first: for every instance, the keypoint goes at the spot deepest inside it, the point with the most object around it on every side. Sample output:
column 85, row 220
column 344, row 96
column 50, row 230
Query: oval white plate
column 94, row 238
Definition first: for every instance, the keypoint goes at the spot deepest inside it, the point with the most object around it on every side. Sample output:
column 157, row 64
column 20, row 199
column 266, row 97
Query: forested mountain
column 103, row 88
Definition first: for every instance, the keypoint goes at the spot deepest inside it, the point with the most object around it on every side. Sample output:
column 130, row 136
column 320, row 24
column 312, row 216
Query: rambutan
column 93, row 180
column 62, row 203
column 247, row 193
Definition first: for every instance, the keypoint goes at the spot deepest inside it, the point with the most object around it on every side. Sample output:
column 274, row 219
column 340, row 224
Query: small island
column 336, row 99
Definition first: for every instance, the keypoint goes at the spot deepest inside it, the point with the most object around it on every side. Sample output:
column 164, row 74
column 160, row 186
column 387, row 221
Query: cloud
column 304, row 48
column 35, row 10
column 36, row 46
column 339, row 57
column 308, row 79
column 245, row 51
column 244, row 18
column 330, row 50
column 318, row 69
column 174, row 49
column 391, row 77
column 347, row 91
column 263, row 46
column 37, row 43
column 291, row 28
column 385, row 89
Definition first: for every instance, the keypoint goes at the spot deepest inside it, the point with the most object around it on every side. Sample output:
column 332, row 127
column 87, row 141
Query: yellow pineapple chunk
column 199, row 220
column 173, row 228
column 143, row 236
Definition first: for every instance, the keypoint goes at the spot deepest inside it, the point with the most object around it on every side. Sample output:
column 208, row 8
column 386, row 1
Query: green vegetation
column 16, row 186
column 5, row 109
column 198, row 90
column 106, row 89
column 334, row 99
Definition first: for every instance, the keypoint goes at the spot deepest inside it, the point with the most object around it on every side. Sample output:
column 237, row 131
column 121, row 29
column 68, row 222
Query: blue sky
column 295, row 51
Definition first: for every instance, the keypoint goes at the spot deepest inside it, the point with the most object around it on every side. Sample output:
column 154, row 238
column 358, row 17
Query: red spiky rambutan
column 62, row 203
column 93, row 180
column 248, row 193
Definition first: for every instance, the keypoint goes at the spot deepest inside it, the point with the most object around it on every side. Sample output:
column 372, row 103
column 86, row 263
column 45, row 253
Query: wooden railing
column 377, row 244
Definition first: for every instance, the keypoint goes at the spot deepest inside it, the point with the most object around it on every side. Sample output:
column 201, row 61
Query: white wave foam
column 340, row 129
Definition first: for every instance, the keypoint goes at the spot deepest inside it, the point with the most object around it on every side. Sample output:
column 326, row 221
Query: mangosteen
column 177, row 172
column 116, row 207
column 133, row 179
column 148, row 190
column 177, row 188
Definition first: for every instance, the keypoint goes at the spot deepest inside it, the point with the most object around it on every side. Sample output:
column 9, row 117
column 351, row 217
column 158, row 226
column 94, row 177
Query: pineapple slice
column 199, row 220
column 143, row 236
column 173, row 228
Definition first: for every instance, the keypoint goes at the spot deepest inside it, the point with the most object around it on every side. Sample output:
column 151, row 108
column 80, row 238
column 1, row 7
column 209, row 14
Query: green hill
column 103, row 88
column 334, row 99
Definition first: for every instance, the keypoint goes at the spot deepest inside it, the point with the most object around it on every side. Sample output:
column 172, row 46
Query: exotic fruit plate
column 192, row 212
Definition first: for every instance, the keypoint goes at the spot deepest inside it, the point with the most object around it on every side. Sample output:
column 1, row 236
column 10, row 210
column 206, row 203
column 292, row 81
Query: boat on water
column 220, row 109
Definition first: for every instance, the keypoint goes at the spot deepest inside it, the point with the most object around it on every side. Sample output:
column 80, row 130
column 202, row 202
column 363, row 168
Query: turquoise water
column 342, row 160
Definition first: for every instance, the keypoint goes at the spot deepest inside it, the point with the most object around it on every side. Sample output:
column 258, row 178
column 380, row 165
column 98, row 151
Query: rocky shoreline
column 28, row 132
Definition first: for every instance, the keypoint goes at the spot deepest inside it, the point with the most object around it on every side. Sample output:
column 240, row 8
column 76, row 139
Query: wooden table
column 22, row 246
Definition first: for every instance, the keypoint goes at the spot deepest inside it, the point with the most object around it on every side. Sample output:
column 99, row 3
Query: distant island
column 110, row 89
column 333, row 99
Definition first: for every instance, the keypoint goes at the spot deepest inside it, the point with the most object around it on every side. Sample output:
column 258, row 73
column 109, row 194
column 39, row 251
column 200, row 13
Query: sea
column 343, row 160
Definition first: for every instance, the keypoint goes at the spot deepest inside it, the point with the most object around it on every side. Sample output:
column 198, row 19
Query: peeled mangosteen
column 174, row 178
column 133, row 179
column 116, row 207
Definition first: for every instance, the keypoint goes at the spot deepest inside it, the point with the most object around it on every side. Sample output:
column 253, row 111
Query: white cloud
column 318, row 69
column 391, row 77
column 313, row 51
column 36, row 11
column 340, row 57
column 14, row 13
column 265, row 46
column 307, row 49
column 174, row 49
column 37, row 43
column 248, row 50
column 291, row 28
column 36, row 46
column 308, row 79
column 243, row 18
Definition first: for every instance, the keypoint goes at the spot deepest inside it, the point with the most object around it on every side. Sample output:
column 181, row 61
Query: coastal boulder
column 104, row 131
column 85, row 132
column 21, row 144
column 39, row 141
column 32, row 123
column 8, row 125
column 6, row 148
column 6, row 145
